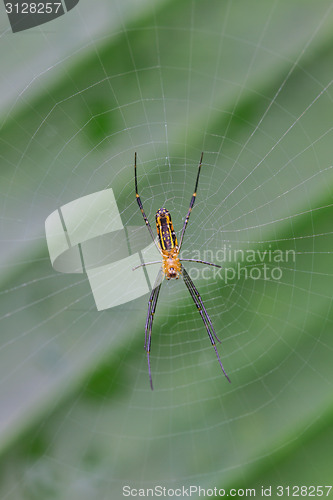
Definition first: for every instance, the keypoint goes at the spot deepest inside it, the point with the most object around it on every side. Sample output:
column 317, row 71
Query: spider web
column 250, row 85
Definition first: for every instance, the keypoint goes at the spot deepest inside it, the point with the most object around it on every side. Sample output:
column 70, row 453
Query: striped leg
column 191, row 204
column 203, row 313
column 141, row 206
column 200, row 262
column 150, row 317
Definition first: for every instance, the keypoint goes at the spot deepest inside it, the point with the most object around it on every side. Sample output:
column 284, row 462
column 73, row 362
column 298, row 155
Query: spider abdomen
column 166, row 234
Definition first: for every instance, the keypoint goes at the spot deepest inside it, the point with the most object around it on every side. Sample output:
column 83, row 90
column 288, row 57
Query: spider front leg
column 191, row 203
column 138, row 199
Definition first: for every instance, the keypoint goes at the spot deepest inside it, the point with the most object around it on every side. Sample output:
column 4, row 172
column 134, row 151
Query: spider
column 172, row 268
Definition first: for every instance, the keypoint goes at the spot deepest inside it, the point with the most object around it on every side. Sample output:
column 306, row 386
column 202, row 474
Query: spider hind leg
column 152, row 303
column 204, row 315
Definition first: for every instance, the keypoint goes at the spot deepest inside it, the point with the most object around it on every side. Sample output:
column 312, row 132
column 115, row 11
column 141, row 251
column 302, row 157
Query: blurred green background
column 248, row 83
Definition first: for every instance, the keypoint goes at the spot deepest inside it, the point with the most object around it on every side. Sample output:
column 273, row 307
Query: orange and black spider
column 172, row 267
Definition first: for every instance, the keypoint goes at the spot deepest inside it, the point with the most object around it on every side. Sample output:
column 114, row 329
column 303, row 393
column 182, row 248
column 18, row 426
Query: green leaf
column 250, row 84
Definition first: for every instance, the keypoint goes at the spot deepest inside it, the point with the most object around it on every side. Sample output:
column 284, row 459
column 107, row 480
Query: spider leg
column 204, row 314
column 141, row 206
column 150, row 317
column 191, row 204
column 200, row 262
column 146, row 264
column 199, row 303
